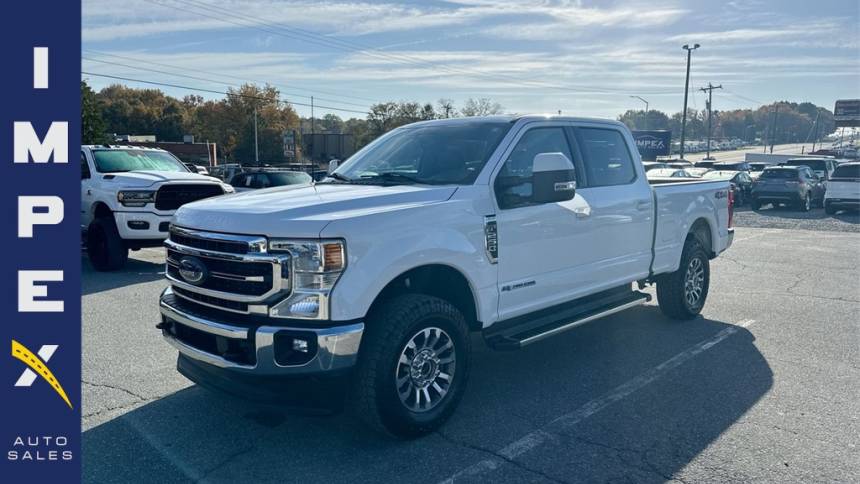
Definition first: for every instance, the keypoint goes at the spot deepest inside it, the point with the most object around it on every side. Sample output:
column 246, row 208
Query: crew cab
column 128, row 197
column 843, row 189
column 517, row 228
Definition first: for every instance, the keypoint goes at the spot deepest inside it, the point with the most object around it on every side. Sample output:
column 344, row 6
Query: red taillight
column 731, row 206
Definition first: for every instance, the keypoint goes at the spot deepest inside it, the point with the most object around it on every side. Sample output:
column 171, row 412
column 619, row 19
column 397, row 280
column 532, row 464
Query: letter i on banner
column 40, row 324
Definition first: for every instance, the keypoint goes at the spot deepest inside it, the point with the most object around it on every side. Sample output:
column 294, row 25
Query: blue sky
column 581, row 57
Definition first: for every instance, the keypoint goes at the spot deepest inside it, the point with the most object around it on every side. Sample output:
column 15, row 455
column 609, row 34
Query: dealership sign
column 652, row 144
column 846, row 113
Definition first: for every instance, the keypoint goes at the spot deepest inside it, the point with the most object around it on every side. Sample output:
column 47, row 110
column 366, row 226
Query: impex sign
column 653, row 143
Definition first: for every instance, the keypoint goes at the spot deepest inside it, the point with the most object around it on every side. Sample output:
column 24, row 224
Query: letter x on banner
column 40, row 242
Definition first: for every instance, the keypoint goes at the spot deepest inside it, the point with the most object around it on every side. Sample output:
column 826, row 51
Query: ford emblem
column 192, row 270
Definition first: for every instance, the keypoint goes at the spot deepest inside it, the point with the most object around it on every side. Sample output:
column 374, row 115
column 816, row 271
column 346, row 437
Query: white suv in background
column 843, row 189
column 128, row 197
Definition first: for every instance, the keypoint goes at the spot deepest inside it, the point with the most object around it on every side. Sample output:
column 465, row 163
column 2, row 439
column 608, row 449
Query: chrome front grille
column 224, row 271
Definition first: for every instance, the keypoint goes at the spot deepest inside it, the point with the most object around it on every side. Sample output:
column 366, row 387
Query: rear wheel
column 413, row 365
column 805, row 203
column 756, row 205
column 105, row 248
column 682, row 294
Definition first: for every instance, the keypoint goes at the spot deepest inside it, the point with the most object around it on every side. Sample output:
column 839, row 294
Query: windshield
column 115, row 161
column 847, row 171
column 432, row 154
column 757, row 166
column 289, row 178
column 816, row 165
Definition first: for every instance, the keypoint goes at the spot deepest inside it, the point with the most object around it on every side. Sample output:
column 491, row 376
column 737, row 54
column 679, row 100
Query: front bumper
column 257, row 349
column 142, row 225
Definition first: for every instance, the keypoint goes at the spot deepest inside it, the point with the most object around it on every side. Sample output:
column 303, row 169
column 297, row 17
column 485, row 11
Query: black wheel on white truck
column 681, row 294
column 105, row 248
column 413, row 365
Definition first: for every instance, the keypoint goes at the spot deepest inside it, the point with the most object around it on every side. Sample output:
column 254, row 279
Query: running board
column 526, row 334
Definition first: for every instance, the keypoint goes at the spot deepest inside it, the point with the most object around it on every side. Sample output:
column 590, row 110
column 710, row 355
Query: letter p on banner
column 40, row 320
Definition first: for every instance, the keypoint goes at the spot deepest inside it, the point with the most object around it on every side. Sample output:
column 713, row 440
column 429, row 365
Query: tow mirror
column 554, row 178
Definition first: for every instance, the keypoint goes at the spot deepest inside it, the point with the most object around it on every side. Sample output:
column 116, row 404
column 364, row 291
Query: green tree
column 641, row 120
column 92, row 123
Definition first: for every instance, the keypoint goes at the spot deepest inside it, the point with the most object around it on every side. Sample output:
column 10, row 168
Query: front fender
column 444, row 234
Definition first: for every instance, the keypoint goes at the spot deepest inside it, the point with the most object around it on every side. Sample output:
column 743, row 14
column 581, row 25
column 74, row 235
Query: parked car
column 654, row 165
column 196, row 168
column 680, row 164
column 252, row 180
column 227, row 171
column 704, row 164
column 756, row 168
column 433, row 231
column 823, row 167
column 732, row 166
column 740, row 180
column 128, row 197
column 843, row 189
column 698, row 171
column 788, row 185
column 669, row 173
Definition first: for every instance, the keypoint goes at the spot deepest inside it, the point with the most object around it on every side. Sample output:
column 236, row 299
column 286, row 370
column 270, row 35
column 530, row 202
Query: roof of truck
column 120, row 147
column 513, row 118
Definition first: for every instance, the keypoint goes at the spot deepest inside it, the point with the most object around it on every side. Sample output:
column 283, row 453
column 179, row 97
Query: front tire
column 756, row 205
column 413, row 365
column 829, row 209
column 682, row 294
column 805, row 203
column 105, row 248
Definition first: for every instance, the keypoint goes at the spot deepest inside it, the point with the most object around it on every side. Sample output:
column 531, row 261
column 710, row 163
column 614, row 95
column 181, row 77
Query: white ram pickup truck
column 128, row 197
column 518, row 228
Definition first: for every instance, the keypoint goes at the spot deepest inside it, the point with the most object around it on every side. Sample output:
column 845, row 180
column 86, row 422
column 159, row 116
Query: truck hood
column 302, row 211
column 146, row 179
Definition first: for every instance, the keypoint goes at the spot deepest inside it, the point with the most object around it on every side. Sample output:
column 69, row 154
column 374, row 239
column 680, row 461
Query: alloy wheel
column 425, row 369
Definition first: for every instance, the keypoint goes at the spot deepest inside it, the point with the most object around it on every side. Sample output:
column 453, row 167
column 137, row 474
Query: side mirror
column 554, row 178
column 332, row 166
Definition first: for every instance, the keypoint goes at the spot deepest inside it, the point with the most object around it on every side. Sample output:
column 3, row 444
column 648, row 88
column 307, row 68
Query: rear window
column 847, row 171
column 787, row 174
column 289, row 178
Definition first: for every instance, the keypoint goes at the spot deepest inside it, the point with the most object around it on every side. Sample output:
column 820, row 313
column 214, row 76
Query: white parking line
column 564, row 422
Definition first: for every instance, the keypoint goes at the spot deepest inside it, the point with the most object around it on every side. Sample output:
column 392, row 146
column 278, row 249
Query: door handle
column 642, row 205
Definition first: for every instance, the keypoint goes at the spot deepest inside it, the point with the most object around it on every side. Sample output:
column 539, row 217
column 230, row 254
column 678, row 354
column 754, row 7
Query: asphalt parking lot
column 762, row 387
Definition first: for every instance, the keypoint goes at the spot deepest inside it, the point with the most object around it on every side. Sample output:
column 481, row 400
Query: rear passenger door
column 620, row 203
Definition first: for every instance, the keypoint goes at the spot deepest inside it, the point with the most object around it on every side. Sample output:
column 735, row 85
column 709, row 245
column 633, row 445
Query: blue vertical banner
column 40, row 327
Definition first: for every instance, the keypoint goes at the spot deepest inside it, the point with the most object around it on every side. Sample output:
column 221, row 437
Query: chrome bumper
column 337, row 347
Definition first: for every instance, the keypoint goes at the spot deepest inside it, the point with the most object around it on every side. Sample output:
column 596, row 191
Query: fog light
column 138, row 224
column 300, row 345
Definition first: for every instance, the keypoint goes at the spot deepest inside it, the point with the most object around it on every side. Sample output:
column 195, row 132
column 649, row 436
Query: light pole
column 643, row 100
column 686, row 91
column 256, row 145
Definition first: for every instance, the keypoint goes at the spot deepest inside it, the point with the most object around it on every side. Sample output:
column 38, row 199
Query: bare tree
column 446, row 108
column 481, row 107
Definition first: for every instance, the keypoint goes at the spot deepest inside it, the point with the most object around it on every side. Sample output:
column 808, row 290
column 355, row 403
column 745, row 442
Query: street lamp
column 643, row 100
column 686, row 91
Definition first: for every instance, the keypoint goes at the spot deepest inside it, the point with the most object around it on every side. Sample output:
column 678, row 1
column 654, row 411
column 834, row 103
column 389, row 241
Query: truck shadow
column 646, row 435
column 847, row 216
column 137, row 270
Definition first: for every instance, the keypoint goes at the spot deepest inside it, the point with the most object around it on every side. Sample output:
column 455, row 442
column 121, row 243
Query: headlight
column 135, row 198
column 316, row 267
column 228, row 188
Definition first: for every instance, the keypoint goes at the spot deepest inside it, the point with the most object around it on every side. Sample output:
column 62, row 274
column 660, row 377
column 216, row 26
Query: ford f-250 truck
column 128, row 197
column 515, row 227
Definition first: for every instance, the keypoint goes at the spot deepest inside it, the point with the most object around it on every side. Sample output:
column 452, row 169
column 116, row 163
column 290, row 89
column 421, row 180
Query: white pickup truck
column 128, row 197
column 515, row 227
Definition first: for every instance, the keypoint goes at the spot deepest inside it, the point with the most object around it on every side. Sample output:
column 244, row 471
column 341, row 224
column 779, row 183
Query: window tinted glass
column 115, row 161
column 606, row 158
column 847, row 171
column 85, row 169
column 787, row 174
column 514, row 181
column 289, row 178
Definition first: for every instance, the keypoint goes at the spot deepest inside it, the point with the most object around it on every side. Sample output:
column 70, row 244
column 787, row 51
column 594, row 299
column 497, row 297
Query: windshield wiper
column 393, row 176
column 339, row 177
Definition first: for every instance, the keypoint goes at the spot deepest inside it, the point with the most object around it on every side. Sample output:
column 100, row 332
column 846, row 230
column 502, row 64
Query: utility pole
column 710, row 91
column 256, row 145
column 773, row 132
column 313, row 121
column 686, row 92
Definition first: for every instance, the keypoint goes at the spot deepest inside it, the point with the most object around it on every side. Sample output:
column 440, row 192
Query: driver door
column 541, row 245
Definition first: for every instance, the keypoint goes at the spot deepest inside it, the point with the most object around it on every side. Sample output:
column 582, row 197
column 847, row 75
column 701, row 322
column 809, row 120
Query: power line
column 199, row 89
column 203, row 79
column 307, row 36
column 150, row 62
